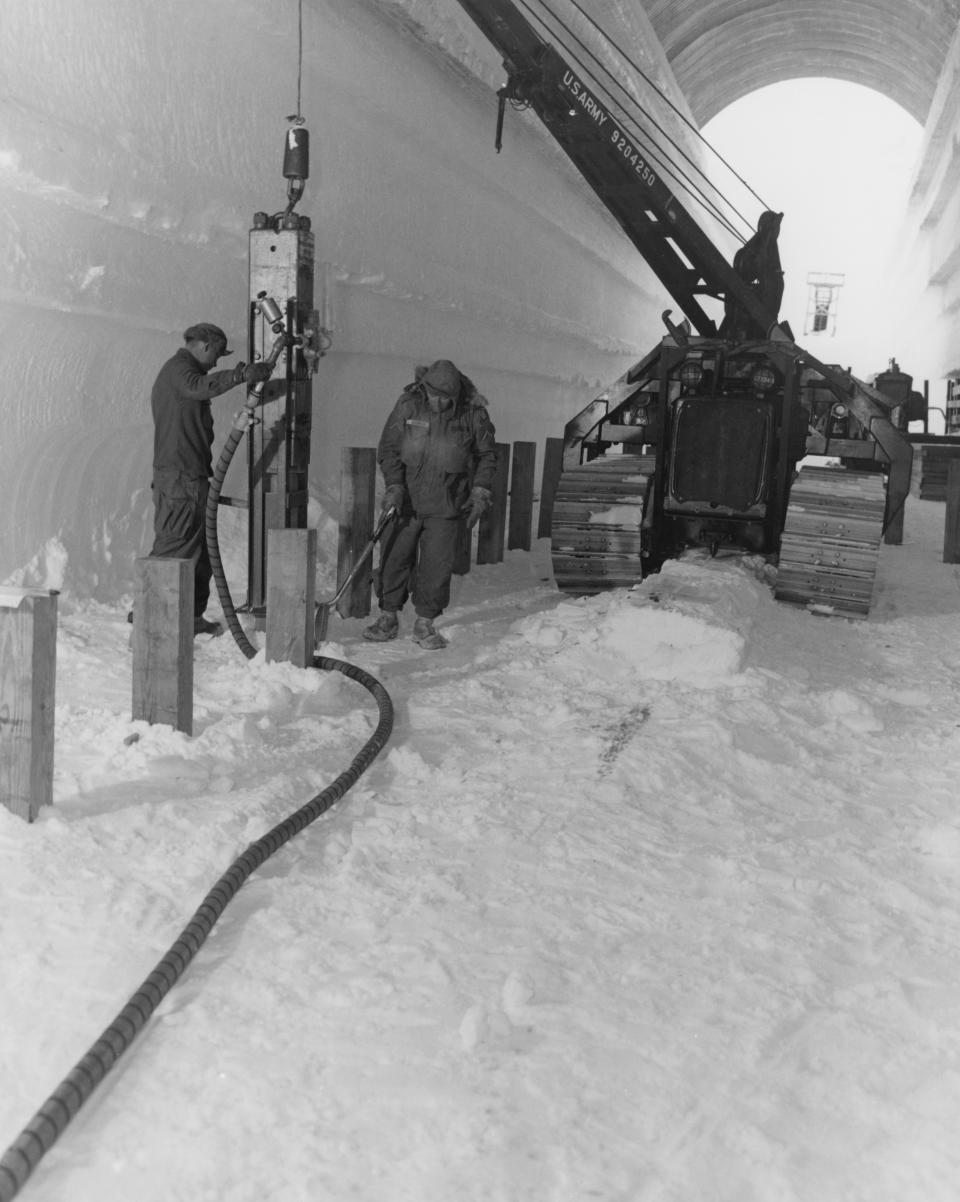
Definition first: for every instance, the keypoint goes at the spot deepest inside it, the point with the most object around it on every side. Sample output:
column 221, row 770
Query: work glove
column 256, row 373
column 477, row 505
column 251, row 373
column 393, row 498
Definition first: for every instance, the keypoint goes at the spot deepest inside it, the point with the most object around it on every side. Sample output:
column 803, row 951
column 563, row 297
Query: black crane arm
column 684, row 259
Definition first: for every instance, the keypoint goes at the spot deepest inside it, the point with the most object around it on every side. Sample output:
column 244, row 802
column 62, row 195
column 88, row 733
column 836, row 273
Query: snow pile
column 622, row 637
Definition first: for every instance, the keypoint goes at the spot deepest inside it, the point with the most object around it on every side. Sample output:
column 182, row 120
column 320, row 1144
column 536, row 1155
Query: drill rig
column 698, row 443
column 281, row 267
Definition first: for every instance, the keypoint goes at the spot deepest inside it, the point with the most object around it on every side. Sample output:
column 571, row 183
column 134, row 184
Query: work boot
column 427, row 636
column 203, row 625
column 384, row 628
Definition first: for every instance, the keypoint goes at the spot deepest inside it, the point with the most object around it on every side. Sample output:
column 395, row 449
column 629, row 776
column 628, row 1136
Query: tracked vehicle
column 698, row 444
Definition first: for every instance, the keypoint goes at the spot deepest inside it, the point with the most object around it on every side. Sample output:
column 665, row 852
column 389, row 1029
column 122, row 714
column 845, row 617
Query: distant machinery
column 952, row 413
column 824, row 288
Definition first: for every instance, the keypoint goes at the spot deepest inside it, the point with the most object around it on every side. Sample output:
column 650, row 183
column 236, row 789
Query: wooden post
column 494, row 522
column 461, row 559
column 358, row 479
column 291, row 596
column 521, row 495
column 162, row 642
column 893, row 535
column 28, row 668
column 552, row 467
column 951, row 524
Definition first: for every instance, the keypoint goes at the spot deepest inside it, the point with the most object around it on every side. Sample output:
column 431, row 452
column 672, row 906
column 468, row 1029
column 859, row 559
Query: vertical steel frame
column 278, row 452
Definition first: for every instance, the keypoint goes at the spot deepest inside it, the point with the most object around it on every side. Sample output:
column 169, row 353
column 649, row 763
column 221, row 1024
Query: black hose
column 234, row 439
column 49, row 1122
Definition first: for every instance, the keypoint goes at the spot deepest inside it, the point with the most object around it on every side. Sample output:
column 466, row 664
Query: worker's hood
column 468, row 390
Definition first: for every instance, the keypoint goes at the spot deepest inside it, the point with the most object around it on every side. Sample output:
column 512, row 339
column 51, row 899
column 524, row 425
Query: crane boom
column 607, row 155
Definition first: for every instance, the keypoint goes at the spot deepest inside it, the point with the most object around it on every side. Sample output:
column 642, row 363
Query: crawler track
column 595, row 534
column 831, row 540
column 829, row 550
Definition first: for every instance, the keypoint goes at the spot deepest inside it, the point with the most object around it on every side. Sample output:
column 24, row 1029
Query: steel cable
column 655, row 152
column 666, row 100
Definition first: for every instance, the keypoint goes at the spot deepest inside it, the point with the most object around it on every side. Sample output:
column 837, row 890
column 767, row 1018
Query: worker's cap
column 206, row 331
column 443, row 377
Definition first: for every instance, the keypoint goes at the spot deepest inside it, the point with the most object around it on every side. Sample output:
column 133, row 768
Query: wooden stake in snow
column 951, row 524
column 163, row 643
column 28, row 666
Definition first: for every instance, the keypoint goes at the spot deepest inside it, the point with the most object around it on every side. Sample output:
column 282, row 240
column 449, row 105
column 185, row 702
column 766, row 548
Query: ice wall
column 925, row 262
column 136, row 142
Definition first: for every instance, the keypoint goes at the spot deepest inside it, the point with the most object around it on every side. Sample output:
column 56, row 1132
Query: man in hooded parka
column 438, row 455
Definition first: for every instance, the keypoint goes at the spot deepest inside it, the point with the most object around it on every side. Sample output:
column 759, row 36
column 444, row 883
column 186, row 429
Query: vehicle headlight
column 691, row 373
column 763, row 377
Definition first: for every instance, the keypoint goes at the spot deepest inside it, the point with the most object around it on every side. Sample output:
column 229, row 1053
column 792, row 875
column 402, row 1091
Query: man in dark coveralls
column 438, row 456
column 182, row 457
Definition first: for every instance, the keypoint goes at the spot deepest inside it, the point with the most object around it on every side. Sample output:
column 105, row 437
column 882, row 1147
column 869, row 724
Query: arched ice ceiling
column 721, row 50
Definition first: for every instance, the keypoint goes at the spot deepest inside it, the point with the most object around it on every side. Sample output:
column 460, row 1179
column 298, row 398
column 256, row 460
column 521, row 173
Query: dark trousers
column 417, row 558
column 179, row 510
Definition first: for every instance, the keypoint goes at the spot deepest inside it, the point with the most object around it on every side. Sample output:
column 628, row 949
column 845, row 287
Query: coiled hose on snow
column 49, row 1122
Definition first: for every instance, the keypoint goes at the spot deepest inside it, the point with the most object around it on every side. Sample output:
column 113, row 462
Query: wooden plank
column 493, row 524
column 846, row 579
column 521, row 496
column 931, row 465
column 618, row 492
column 821, row 525
column 600, row 565
column 846, row 607
column 552, row 467
column 951, row 523
column 461, row 556
column 43, row 695
column 358, row 481
column 162, row 642
column 835, row 554
column 596, row 577
column 577, row 513
column 291, row 596
column 826, row 577
column 597, row 538
column 28, row 660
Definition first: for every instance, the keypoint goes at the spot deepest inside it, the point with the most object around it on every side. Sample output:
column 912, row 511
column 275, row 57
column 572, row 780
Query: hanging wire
column 299, row 56
column 297, row 117
column 653, row 151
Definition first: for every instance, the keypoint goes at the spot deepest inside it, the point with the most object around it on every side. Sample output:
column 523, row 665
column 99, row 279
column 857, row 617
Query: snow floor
column 651, row 896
